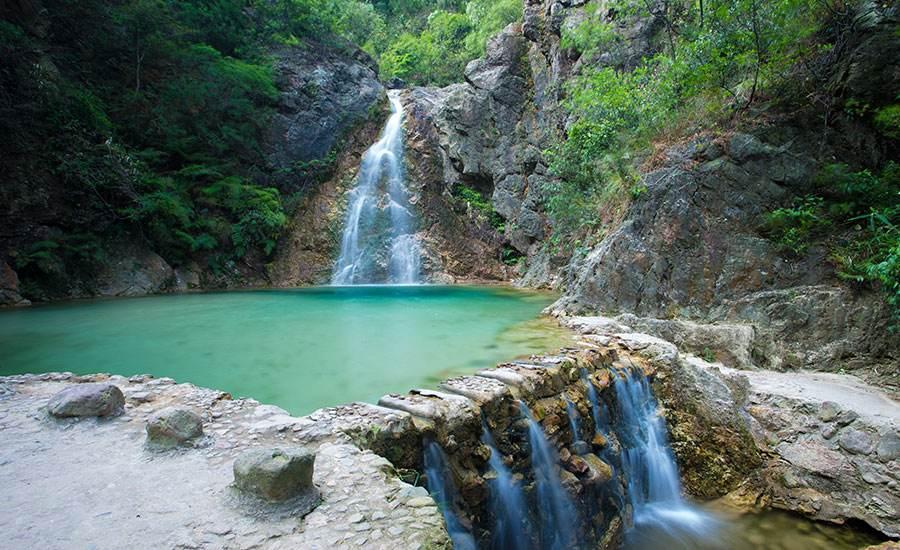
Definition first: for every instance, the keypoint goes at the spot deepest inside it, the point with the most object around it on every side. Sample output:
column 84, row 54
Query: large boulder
column 171, row 427
column 134, row 270
column 275, row 474
column 9, row 287
column 87, row 400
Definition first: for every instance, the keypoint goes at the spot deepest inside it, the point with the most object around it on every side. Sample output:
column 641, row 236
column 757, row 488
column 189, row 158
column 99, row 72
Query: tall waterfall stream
column 378, row 243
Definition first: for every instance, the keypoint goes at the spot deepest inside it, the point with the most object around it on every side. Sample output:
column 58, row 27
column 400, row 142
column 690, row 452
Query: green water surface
column 298, row 349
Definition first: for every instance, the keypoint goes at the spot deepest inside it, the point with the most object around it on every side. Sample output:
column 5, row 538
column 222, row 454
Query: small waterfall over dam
column 544, row 487
column 378, row 242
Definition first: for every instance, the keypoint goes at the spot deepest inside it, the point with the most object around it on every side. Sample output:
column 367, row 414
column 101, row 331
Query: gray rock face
column 493, row 128
column 827, row 464
column 324, row 94
column 87, row 400
column 136, row 271
column 275, row 474
column 172, row 427
column 690, row 247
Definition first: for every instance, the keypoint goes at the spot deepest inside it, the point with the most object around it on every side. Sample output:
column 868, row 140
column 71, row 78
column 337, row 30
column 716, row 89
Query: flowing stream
column 511, row 529
column 440, row 484
column 654, row 487
column 378, row 244
column 555, row 508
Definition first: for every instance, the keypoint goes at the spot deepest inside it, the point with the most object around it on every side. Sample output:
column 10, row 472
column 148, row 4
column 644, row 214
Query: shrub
column 794, row 228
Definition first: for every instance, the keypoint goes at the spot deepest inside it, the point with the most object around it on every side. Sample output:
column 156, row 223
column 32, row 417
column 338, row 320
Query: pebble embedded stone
column 857, row 442
column 172, row 427
column 275, row 474
column 98, row 399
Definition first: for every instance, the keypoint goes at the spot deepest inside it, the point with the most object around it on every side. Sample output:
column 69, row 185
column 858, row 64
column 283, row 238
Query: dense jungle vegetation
column 154, row 110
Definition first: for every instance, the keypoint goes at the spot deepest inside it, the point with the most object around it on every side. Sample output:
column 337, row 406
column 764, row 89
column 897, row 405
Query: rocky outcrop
column 134, row 270
column 834, row 447
column 488, row 136
column 325, row 94
column 492, row 129
column 9, row 287
column 690, row 247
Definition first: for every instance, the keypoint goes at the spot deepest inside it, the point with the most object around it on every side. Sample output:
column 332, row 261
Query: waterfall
column 654, row 488
column 600, row 416
column 378, row 244
column 557, row 512
column 573, row 420
column 511, row 529
column 441, row 487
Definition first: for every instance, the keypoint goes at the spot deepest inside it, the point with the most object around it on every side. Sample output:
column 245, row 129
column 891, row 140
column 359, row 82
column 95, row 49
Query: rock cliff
column 690, row 246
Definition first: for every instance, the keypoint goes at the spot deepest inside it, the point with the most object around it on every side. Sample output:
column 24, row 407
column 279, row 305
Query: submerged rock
column 87, row 400
column 275, row 474
column 172, row 427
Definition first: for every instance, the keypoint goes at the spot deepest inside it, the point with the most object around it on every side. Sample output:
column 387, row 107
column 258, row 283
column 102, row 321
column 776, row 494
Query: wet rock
column 172, row 427
column 87, row 400
column 599, row 472
column 889, row 447
column 275, row 474
column 581, row 447
column 857, row 442
column 829, row 411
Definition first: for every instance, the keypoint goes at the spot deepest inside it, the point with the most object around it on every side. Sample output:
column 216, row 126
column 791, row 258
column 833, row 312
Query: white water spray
column 378, row 244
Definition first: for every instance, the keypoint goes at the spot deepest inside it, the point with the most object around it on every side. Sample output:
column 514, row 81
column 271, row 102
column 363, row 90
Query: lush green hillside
column 147, row 117
column 721, row 64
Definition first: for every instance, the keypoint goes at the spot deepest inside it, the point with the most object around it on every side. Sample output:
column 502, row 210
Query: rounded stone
column 275, row 474
column 100, row 399
column 172, row 426
column 856, row 442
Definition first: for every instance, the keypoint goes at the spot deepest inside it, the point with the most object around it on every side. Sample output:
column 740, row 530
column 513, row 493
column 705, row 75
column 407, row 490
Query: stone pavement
column 92, row 483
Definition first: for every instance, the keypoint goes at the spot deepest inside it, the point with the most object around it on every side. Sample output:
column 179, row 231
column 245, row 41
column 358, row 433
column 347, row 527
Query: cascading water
column 441, row 487
column 600, row 416
column 511, row 529
column 574, row 424
column 556, row 510
column 379, row 244
column 654, row 488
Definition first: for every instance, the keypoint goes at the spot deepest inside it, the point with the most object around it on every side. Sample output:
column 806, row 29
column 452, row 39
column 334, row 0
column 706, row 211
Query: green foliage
column 152, row 114
column 510, row 256
column 793, row 228
column 432, row 46
column 480, row 203
column 591, row 35
column 857, row 216
column 887, row 120
column 713, row 64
